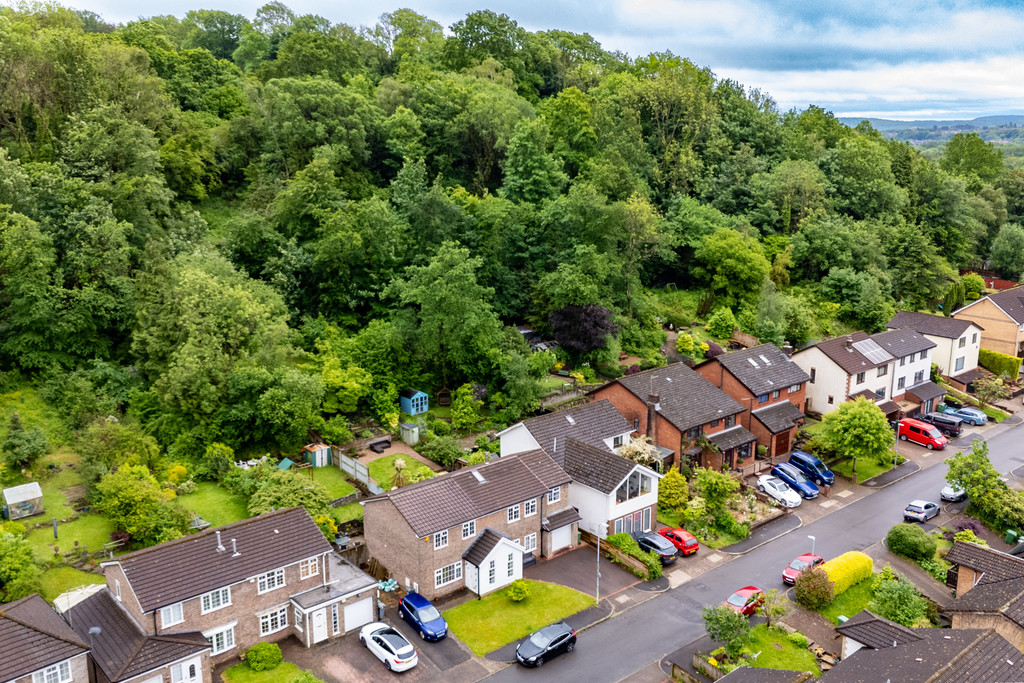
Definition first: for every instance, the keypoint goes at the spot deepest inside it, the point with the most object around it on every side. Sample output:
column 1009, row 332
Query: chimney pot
column 234, row 549
column 220, row 546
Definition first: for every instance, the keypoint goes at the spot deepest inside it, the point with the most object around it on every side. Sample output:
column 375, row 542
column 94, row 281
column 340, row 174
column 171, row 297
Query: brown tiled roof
column 479, row 549
column 763, row 369
column 926, row 390
column 1005, row 596
column 849, row 359
column 190, row 566
column 888, row 407
column 990, row 659
column 866, row 393
column 121, row 650
column 1010, row 300
column 561, row 518
column 686, row 399
column 876, row 632
column 933, row 325
column 546, row 469
column 470, row 493
column 901, row 343
column 995, row 565
column 778, row 417
column 731, row 438
column 926, row 660
column 748, row 674
column 33, row 636
column 590, row 423
column 970, row 376
column 596, row 468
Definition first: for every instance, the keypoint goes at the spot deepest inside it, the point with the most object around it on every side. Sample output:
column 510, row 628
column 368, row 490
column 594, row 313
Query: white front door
column 358, row 614
column 319, row 625
column 561, row 538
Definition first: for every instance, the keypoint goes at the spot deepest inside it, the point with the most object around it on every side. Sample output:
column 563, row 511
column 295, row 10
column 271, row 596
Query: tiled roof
column 732, row 437
column 778, row 417
column 546, row 469
column 749, row 674
column 888, row 407
column 593, row 467
column 763, row 369
column 121, row 649
column 919, row 661
column 970, row 376
column 470, row 493
column 876, row 632
column 1010, row 300
column 990, row 659
column 901, row 343
column 1006, row 596
column 932, row 325
column 33, row 636
column 866, row 393
column 995, row 565
column 169, row 572
column 590, row 423
column 686, row 399
column 847, row 356
column 479, row 549
column 561, row 518
column 926, row 390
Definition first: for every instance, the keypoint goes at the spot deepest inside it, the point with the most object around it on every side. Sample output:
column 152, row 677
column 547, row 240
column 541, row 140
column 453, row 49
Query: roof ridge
column 128, row 660
column 964, row 651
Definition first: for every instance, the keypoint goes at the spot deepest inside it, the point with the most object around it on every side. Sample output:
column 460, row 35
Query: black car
column 546, row 643
column 659, row 544
column 947, row 424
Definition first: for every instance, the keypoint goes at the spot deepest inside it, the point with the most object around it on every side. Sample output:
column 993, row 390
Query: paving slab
column 577, row 569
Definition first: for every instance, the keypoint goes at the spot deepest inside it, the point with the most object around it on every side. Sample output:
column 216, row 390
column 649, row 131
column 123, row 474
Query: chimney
column 849, row 344
column 220, row 546
column 787, row 348
column 652, row 416
column 234, row 549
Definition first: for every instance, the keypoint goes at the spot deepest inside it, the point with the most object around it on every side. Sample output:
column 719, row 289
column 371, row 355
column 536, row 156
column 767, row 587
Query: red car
column 799, row 565
column 682, row 539
column 745, row 600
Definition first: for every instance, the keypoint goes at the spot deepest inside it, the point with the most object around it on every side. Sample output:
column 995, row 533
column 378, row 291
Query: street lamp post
column 813, row 541
column 599, row 529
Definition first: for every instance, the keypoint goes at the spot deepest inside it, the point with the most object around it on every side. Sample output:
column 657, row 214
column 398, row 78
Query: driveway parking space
column 578, row 569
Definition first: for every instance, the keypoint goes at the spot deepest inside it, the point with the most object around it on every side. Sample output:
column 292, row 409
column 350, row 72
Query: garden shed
column 317, row 454
column 410, row 433
column 24, row 501
column 413, row 401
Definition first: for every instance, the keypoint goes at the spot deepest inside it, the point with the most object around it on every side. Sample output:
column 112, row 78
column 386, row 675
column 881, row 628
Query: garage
column 358, row 614
column 561, row 538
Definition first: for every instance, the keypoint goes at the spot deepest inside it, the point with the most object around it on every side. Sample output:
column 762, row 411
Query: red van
column 921, row 433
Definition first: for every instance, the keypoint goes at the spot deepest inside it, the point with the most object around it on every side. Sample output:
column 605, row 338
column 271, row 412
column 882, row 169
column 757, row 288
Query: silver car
column 920, row 511
column 953, row 495
column 779, row 490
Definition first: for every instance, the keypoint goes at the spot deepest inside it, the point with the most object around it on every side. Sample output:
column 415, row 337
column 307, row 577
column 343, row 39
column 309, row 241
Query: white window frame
column 441, row 539
column 794, row 388
column 647, row 519
column 176, row 615
column 300, row 620
column 530, row 542
column 492, row 573
column 618, row 525
column 270, row 581
column 963, row 342
column 511, row 568
column 227, row 632
column 58, row 673
column 959, row 364
column 555, row 494
column 514, row 514
column 335, row 619
column 273, row 621
column 530, row 507
column 902, row 383
column 178, row 671
column 453, row 573
column 617, row 441
column 468, row 529
column 222, row 597
column 776, row 393
column 309, row 568
column 117, row 589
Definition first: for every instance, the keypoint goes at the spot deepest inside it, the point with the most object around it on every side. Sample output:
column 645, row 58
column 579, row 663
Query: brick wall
column 1000, row 333
column 633, row 409
column 115, row 576
column 1013, row 633
column 165, row 673
column 544, row 543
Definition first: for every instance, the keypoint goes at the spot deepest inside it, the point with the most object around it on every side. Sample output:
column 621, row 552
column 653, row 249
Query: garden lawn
column 34, row 412
column 215, row 504
column 348, row 512
column 777, row 652
column 333, row 479
column 55, row 503
column 91, row 531
column 851, row 602
column 487, row 624
column 62, row 579
column 552, row 384
column 383, row 469
column 285, row 672
column 866, row 468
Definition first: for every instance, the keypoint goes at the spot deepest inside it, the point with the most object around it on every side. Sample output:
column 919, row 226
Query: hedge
column 910, row 540
column 999, row 363
column 848, row 569
column 628, row 545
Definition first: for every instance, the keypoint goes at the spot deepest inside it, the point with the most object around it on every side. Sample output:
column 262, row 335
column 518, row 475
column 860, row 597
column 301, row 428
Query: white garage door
column 561, row 538
column 358, row 614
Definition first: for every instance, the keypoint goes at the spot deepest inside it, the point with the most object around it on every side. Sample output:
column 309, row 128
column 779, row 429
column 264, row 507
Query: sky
column 906, row 59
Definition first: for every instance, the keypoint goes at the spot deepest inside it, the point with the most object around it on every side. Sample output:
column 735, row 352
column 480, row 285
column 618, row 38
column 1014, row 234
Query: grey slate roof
column 970, row 376
column 33, row 636
column 932, row 325
column 876, row 632
column 903, row 342
column 546, row 469
column 1005, row 596
column 748, row 674
column 479, row 549
column 687, row 400
column 1010, row 300
column 990, row 659
column 763, row 369
column 561, row 518
column 888, row 407
column 995, row 565
column 731, row 438
column 190, row 566
column 590, row 423
column 121, row 650
column 926, row 390
column 596, row 468
column 778, row 417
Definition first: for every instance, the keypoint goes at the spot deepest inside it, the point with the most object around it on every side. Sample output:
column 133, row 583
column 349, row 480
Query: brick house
column 1002, row 315
column 37, row 646
column 989, row 590
column 770, row 387
column 677, row 408
column 471, row 528
column 957, row 341
column 260, row 579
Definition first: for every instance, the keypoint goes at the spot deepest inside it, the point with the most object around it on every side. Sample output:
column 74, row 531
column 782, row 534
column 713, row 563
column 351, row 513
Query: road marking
column 828, row 503
column 715, row 558
column 845, row 494
column 676, row 579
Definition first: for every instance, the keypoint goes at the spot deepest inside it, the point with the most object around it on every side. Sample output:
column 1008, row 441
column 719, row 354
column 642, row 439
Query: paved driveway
column 578, row 569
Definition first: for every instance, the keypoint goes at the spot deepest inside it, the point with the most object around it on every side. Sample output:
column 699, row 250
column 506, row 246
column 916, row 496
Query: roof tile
column 763, row 369
column 931, row 325
column 686, row 399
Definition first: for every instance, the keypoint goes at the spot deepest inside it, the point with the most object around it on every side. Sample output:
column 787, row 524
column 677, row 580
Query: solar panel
column 872, row 351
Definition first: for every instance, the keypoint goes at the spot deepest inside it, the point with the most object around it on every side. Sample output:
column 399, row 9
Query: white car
column 952, row 494
column 779, row 490
column 389, row 646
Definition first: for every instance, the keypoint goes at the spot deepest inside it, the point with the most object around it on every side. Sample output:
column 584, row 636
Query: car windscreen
column 737, row 600
column 542, row 638
column 799, row 565
column 428, row 613
column 934, row 433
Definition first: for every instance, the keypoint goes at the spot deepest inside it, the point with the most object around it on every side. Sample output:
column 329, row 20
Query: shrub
column 264, row 656
column 628, row 545
column 684, row 344
column 968, row 524
column 910, row 540
column 444, row 450
column 797, row 638
column 935, row 568
column 440, row 427
column 848, row 569
column 186, row 487
column 813, row 589
column 899, row 601
column 999, row 363
column 728, row 627
column 518, row 591
column 721, row 323
column 968, row 536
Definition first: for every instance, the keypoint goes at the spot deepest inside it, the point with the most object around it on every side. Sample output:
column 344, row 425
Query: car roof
column 785, row 467
column 555, row 629
column 920, row 502
column 416, row 600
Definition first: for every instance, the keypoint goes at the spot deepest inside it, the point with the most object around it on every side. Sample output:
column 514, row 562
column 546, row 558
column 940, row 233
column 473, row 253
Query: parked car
column 746, row 600
column 972, row 416
column 659, row 544
column 800, row 565
column 685, row 542
column 952, row 402
column 921, row 433
column 779, row 490
column 814, row 468
column 796, row 479
column 920, row 511
column 947, row 424
column 423, row 616
column 546, row 643
column 389, row 646
column 951, row 494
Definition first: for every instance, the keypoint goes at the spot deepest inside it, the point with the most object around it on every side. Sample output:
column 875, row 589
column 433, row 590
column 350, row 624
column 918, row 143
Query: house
column 260, row 579
column 681, row 411
column 989, row 590
column 471, row 528
column 597, row 423
column 974, row 564
column 413, row 401
column 37, row 646
column 771, row 388
column 957, row 341
column 1002, row 315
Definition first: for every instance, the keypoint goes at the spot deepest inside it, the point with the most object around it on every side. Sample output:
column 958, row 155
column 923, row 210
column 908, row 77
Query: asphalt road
column 614, row 649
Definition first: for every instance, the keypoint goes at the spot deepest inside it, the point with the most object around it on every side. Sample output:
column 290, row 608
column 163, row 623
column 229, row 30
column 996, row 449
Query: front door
column 319, row 625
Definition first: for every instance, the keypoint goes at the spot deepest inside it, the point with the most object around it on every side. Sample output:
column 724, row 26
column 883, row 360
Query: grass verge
column 487, row 624
column 285, row 672
column 383, row 469
column 866, row 468
column 851, row 602
column 778, row 652
column 215, row 504
column 62, row 579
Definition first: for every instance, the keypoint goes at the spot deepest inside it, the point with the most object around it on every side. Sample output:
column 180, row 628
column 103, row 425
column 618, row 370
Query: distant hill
column 980, row 122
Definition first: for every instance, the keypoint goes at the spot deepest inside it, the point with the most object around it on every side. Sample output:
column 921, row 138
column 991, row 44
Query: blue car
column 422, row 616
column 967, row 414
column 796, row 479
column 815, row 469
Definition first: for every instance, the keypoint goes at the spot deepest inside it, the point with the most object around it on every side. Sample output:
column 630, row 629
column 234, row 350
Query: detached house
column 771, row 388
column 989, row 590
column 37, row 646
column 260, row 579
column 1002, row 315
column 597, row 423
column 957, row 342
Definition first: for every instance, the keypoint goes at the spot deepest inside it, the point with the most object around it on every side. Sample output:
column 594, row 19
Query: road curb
column 764, row 542
column 879, row 487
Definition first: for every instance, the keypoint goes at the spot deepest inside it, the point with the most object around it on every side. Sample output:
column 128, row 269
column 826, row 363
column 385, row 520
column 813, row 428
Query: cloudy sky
column 913, row 59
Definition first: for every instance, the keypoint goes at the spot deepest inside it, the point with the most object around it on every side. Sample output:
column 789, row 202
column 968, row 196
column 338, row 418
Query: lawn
column 383, row 469
column 851, row 602
column 62, row 579
column 674, row 519
column 331, row 478
column 552, row 384
column 215, row 504
column 348, row 512
column 55, row 503
column 487, row 624
column 866, row 468
column 777, row 652
column 285, row 672
column 91, row 531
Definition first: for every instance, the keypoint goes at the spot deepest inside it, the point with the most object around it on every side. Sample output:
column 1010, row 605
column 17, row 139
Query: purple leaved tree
column 582, row 329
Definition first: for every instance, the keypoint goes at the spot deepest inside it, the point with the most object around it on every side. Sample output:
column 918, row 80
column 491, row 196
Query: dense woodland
column 241, row 232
